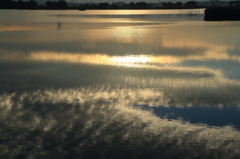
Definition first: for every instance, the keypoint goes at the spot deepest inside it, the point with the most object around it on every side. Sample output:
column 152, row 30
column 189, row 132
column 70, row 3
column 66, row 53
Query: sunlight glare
column 130, row 59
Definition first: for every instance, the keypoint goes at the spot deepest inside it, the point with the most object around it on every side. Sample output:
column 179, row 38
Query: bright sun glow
column 130, row 59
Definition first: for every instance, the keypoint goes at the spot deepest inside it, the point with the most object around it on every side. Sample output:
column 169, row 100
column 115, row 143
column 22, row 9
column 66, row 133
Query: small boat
column 82, row 9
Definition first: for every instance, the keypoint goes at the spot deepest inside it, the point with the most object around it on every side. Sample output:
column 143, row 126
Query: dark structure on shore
column 222, row 13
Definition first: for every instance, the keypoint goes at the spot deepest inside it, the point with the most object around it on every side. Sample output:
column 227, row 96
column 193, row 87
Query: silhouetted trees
column 103, row 5
column 6, row 4
column 172, row 5
column 179, row 4
column 141, row 5
column 56, row 5
column 114, row 6
column 131, row 5
column 9, row 4
column 190, row 4
column 167, row 5
column 31, row 5
column 61, row 4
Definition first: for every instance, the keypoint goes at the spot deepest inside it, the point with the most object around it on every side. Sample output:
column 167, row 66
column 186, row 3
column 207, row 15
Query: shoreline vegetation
column 213, row 13
column 61, row 4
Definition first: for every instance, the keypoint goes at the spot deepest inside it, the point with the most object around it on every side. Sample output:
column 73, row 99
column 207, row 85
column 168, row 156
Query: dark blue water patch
column 204, row 115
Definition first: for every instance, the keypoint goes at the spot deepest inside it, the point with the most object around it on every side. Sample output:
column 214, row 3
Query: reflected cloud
column 201, row 86
column 97, row 59
column 85, row 102
column 165, row 43
column 212, row 52
column 102, row 59
column 27, row 26
column 128, row 60
column 200, row 36
column 164, row 83
column 83, row 120
column 30, row 26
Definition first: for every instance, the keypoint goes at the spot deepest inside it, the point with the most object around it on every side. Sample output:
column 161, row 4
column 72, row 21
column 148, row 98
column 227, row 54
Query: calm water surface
column 118, row 84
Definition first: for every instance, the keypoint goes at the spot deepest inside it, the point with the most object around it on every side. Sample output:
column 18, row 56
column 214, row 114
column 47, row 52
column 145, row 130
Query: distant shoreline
column 63, row 5
column 100, row 9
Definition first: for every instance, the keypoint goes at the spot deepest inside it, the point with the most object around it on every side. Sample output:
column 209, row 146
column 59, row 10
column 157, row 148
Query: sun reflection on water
column 130, row 59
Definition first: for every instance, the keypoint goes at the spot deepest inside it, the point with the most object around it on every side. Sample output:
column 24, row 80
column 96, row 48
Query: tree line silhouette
column 10, row 4
column 140, row 5
column 61, row 4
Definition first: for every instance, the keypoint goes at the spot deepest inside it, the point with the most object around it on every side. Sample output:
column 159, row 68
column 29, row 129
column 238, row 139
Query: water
column 118, row 84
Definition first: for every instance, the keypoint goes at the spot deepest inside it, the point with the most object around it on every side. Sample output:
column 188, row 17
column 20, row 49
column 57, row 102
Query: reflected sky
column 97, row 119
column 71, row 15
column 160, row 83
